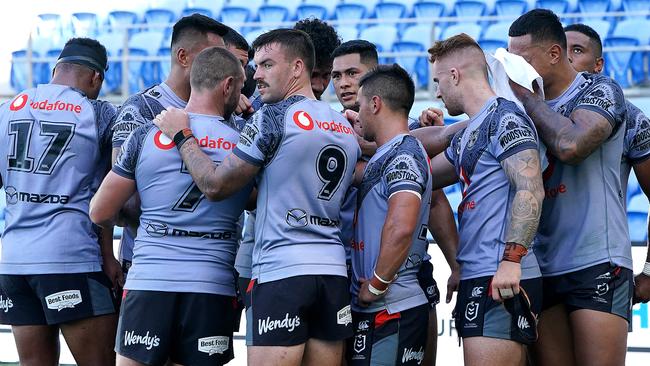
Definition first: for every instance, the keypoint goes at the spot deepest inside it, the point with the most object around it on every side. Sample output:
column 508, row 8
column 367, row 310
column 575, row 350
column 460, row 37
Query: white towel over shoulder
column 505, row 65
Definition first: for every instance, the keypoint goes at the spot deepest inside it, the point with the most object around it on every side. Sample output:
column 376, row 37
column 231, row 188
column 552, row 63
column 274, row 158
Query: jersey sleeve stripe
column 516, row 149
column 406, row 191
column 123, row 173
column 249, row 159
column 599, row 111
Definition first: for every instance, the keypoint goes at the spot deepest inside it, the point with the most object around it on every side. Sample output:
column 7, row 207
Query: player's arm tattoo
column 572, row 139
column 217, row 182
column 436, row 139
column 524, row 173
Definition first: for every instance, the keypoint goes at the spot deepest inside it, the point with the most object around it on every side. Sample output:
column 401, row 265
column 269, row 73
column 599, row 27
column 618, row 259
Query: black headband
column 85, row 56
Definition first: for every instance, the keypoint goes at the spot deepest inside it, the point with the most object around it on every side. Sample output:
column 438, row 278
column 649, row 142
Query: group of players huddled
column 332, row 267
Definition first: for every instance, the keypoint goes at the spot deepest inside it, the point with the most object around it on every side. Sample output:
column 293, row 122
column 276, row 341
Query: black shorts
column 428, row 284
column 290, row 311
column 388, row 339
column 242, row 284
column 478, row 315
column 187, row 328
column 50, row 299
column 604, row 287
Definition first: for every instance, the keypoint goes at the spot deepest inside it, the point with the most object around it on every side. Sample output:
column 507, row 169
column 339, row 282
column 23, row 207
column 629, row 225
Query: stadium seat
column 150, row 41
column 162, row 67
column 428, row 9
column 235, row 17
column 636, row 6
column 48, row 66
column 381, row 35
column 491, row 45
column 419, row 33
column 120, row 20
column 175, row 6
column 497, row 31
column 350, row 13
column 415, row 65
column 369, row 5
column 273, row 14
column 203, row 11
column 593, row 6
column 49, row 25
column 557, row 6
column 159, row 17
column 637, row 216
column 251, row 5
column 391, row 10
column 347, row 33
column 114, row 42
column 310, row 10
column 213, row 5
column 291, row 5
column 633, row 187
column 510, row 7
column 251, row 35
column 84, row 24
column 638, row 29
column 20, row 70
column 464, row 9
column 329, row 5
column 602, row 27
column 135, row 68
column 472, row 29
column 617, row 64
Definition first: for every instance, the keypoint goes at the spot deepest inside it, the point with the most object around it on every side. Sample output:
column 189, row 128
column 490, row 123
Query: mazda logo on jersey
column 18, row 103
column 296, row 217
column 156, row 229
column 162, row 141
column 303, row 120
column 12, row 195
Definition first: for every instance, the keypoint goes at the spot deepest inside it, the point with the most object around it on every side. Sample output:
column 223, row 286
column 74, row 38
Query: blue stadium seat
column 636, row 6
column 251, row 35
column 49, row 25
column 510, row 7
column 175, row 6
column 114, row 42
column 159, row 17
column 593, row 6
column 617, row 64
column 472, row 29
column 638, row 29
column 135, row 68
column 203, row 11
column 20, row 70
column 391, row 10
column 273, row 14
column 415, row 65
column 213, row 5
column 633, row 187
column 162, row 68
column 419, row 33
column 557, row 6
column 150, row 41
column 381, row 35
column 349, row 12
column 469, row 8
column 602, row 27
column 491, row 45
column 369, row 5
column 251, row 5
column 428, row 10
column 84, row 24
column 118, row 20
column 235, row 16
column 48, row 66
column 329, row 5
column 497, row 31
column 291, row 5
column 310, row 10
column 637, row 216
column 347, row 33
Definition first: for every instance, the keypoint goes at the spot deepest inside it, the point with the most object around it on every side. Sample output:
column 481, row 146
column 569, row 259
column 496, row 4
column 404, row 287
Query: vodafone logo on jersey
column 306, row 122
column 18, row 103
column 163, row 142
column 303, row 120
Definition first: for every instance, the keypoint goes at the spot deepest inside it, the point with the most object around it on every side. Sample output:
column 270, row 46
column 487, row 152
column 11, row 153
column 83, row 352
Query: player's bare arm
column 130, row 213
column 110, row 265
column 443, row 172
column 396, row 236
column 524, row 173
column 215, row 181
column 571, row 140
column 436, row 139
column 642, row 280
column 443, row 229
column 105, row 206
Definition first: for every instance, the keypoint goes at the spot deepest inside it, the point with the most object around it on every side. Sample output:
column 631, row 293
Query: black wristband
column 182, row 136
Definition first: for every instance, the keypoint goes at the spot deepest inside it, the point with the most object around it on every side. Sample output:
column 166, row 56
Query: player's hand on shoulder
column 505, row 283
column 171, row 121
column 523, row 94
column 641, row 288
column 431, row 117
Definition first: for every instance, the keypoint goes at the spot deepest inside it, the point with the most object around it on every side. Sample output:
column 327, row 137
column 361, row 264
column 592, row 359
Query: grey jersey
column 57, row 149
column 499, row 131
column 307, row 154
column 636, row 148
column 400, row 165
column 583, row 217
column 138, row 110
column 185, row 243
column 243, row 261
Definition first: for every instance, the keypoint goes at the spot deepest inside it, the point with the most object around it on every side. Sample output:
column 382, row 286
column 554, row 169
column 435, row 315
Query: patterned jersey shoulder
column 637, row 135
column 600, row 94
column 105, row 114
column 129, row 154
column 510, row 130
column 407, row 168
column 136, row 111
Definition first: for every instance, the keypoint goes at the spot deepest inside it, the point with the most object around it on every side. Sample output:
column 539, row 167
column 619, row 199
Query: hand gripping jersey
column 400, row 165
column 499, row 131
column 636, row 148
column 139, row 109
column 583, row 217
column 185, row 243
column 55, row 152
column 307, row 153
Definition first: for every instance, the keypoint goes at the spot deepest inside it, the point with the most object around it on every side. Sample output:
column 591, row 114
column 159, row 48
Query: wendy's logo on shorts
column 5, row 304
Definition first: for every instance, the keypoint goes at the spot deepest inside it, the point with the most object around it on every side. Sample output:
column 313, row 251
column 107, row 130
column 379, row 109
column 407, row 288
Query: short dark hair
column 87, row 52
column 542, row 25
column 213, row 65
column 295, row 42
column 233, row 38
column 393, row 84
column 590, row 33
column 367, row 51
column 324, row 38
column 197, row 24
